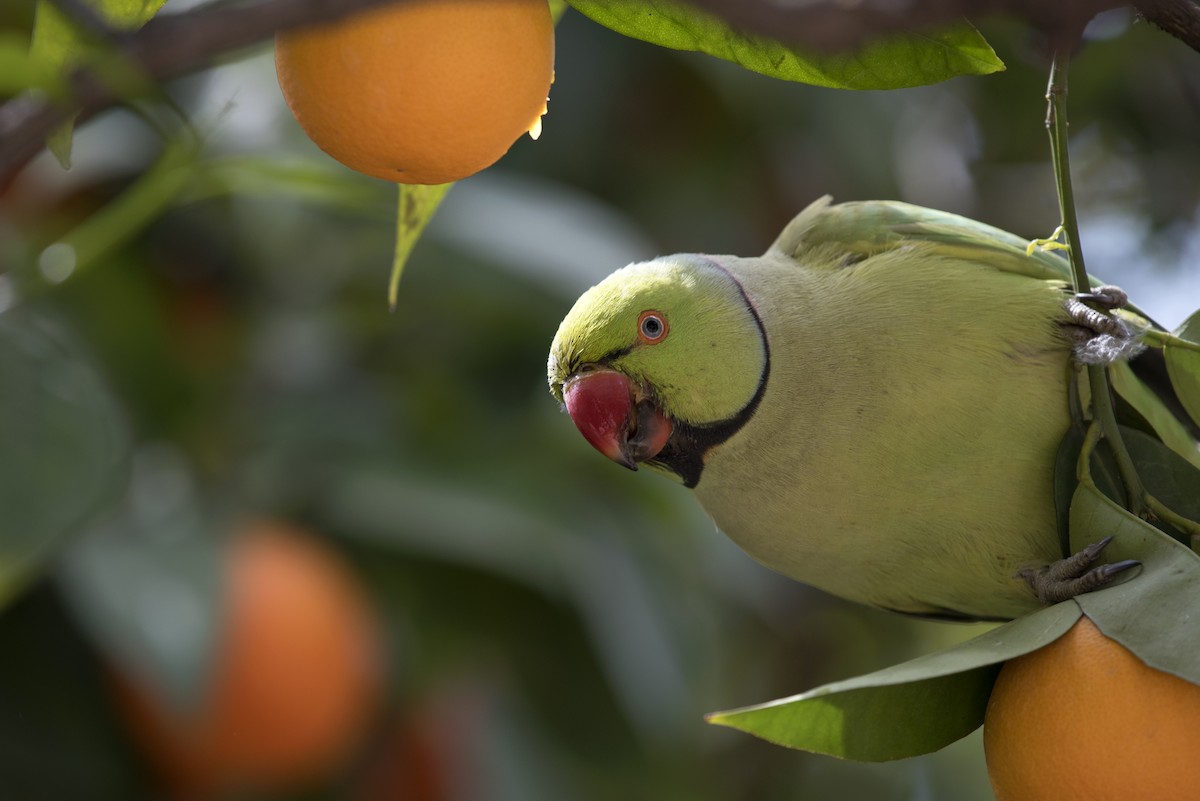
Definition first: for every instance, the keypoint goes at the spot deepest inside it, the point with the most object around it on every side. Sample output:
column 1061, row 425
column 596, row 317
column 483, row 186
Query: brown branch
column 173, row 45
column 168, row 46
column 835, row 25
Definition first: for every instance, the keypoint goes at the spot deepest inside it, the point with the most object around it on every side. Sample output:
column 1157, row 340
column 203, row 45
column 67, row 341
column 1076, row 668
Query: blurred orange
column 295, row 680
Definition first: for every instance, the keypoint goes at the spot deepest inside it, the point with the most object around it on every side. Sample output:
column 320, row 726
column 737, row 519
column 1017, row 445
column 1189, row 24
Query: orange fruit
column 294, row 681
column 1083, row 719
column 423, row 91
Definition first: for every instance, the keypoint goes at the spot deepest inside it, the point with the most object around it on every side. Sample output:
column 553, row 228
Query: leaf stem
column 1185, row 525
column 1102, row 406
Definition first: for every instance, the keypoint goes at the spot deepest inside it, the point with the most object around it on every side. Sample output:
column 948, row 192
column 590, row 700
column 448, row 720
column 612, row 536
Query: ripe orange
column 1083, row 719
column 422, row 91
column 294, row 680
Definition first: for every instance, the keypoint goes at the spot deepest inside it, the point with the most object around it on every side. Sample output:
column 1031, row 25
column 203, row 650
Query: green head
column 661, row 361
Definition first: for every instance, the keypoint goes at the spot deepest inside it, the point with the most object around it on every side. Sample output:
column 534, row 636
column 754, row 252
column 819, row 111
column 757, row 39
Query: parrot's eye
column 652, row 327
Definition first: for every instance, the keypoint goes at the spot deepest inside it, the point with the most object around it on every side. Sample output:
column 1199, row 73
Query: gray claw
column 1073, row 575
column 1108, row 296
column 1099, row 337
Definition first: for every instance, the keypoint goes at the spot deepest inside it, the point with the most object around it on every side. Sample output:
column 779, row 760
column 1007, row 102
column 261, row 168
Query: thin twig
column 1102, row 406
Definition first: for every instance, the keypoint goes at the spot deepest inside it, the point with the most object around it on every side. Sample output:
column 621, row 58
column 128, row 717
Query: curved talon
column 1108, row 296
column 1073, row 575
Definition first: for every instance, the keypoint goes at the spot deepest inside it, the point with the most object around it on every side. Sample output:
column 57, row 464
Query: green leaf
column 905, row 710
column 64, row 443
column 1183, row 365
column 57, row 43
column 894, row 62
column 1065, row 481
column 1142, row 399
column 418, row 203
column 1151, row 612
column 1167, row 476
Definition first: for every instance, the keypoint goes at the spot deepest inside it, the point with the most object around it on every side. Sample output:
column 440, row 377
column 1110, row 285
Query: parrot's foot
column 1074, row 575
column 1101, row 338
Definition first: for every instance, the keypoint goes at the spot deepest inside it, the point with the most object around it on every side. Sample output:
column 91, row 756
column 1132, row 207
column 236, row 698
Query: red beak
column 602, row 405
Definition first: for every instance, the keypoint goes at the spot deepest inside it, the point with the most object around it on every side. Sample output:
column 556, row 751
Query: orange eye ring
column 652, row 327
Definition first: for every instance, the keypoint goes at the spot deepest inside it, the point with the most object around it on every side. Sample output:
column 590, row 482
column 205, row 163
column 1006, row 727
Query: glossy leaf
column 1150, row 407
column 64, row 443
column 1150, row 613
column 905, row 710
column 1183, row 365
column 1168, row 476
column 903, row 60
column 418, row 203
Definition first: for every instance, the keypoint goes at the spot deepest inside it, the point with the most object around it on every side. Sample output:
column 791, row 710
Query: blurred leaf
column 63, row 443
column 904, row 710
column 129, row 213
column 416, row 208
column 420, row 514
column 128, row 13
column 146, row 583
column 1183, row 365
column 305, row 179
column 904, row 60
column 1150, row 613
column 557, row 9
column 57, row 42
column 21, row 69
column 479, row 528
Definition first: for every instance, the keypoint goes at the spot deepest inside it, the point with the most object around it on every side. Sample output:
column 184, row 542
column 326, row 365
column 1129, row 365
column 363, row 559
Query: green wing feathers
column 858, row 230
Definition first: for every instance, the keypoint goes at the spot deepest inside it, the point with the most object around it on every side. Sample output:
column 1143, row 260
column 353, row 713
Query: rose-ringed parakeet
column 872, row 407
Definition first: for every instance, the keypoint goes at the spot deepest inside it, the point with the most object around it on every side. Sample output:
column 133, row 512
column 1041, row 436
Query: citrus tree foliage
column 199, row 333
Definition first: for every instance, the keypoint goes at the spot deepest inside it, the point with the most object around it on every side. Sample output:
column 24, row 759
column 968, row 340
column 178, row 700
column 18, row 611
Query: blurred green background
column 548, row 625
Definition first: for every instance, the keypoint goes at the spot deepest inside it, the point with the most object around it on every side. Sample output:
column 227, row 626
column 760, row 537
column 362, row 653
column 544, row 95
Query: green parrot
column 872, row 407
